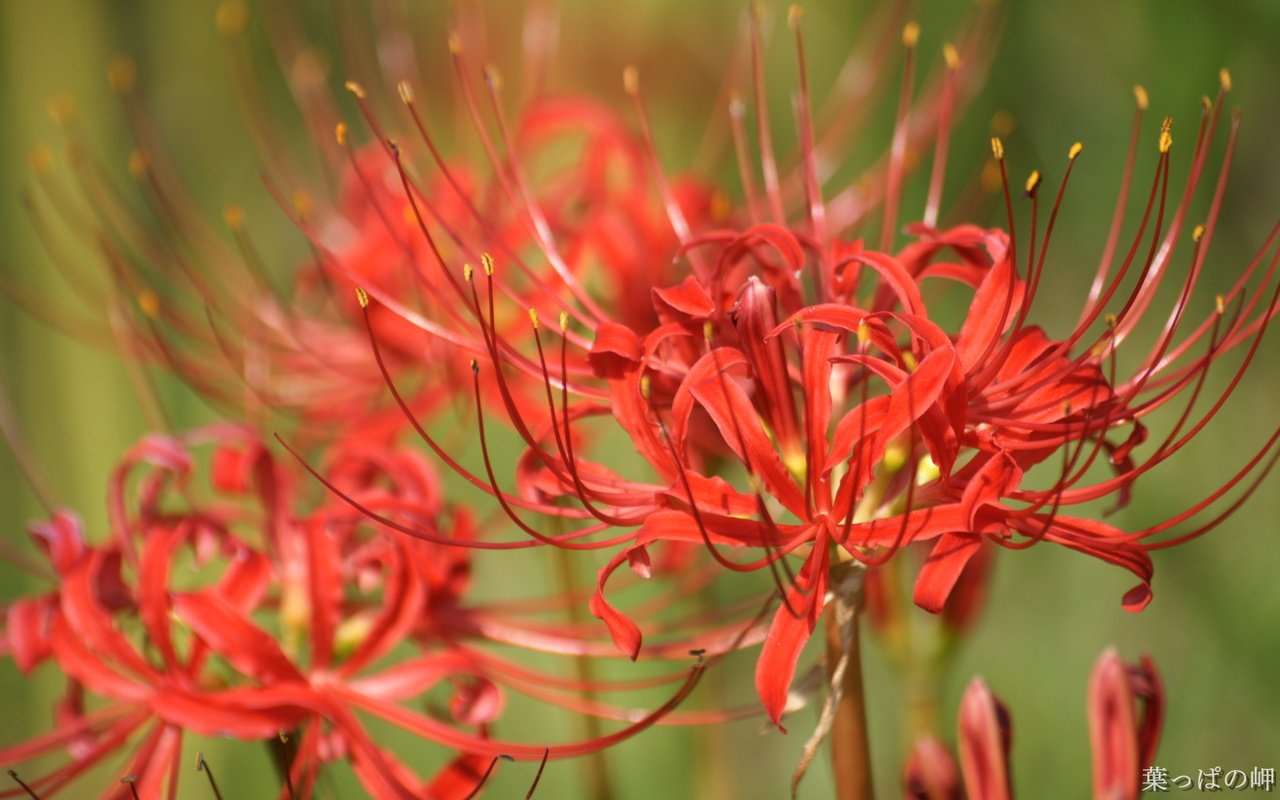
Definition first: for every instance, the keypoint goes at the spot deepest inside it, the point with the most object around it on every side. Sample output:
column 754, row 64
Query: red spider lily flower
column 243, row 617
column 861, row 425
column 1124, row 744
column 737, row 298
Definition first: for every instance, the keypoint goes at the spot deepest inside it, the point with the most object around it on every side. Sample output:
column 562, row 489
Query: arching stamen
column 946, row 110
column 764, row 136
column 475, row 791
column 898, row 147
column 202, row 766
column 13, row 774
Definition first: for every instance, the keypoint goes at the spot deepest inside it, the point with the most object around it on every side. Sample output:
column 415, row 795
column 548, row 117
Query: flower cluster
column 796, row 404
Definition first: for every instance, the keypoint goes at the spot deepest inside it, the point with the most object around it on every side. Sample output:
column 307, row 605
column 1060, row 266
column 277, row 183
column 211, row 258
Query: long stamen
column 945, row 111
column 898, row 147
column 768, row 163
column 475, row 791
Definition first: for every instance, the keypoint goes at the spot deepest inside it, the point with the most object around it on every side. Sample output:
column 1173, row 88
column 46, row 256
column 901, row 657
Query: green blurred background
column 1062, row 69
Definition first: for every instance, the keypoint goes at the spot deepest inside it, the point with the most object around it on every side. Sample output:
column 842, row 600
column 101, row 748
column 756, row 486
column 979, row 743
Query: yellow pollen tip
column 340, row 133
column 646, row 386
column 533, row 317
column 492, row 76
column 362, row 297
column 234, row 217
column 62, row 108
column 467, row 272
column 708, row 330
column 41, row 159
column 406, row 92
column 951, row 55
column 355, row 88
column 122, row 74
column 997, row 148
column 1140, row 96
column 486, row 261
column 1198, row 233
column 455, row 44
column 149, row 303
column 864, row 333
column 1166, row 124
column 1075, row 150
column 475, row 367
column 1224, row 78
column 1112, row 320
column 1206, row 103
column 302, row 203
column 794, row 13
column 139, row 162
column 564, row 321
column 911, row 34
column 631, row 80
column 1033, row 182
column 1166, row 141
column 909, row 360
column 1221, row 304
column 284, row 737
column 231, row 18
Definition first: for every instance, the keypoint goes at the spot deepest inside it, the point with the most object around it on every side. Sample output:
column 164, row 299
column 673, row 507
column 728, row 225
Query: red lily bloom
column 861, row 425
column 242, row 617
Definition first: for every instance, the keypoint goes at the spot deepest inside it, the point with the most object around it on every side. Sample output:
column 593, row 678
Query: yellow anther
column 1033, row 181
column 362, row 297
column 1166, row 124
column 41, row 159
column 794, row 13
column 356, row 89
column 231, row 18
column 564, row 321
column 233, row 215
column 284, row 737
column 951, row 55
column 909, row 359
column 139, row 163
column 864, row 334
column 1198, row 233
column 631, row 80
column 340, row 133
column 533, row 317
column 1075, row 150
column 467, row 272
column 1166, row 141
column 149, row 303
column 646, row 385
column 1206, row 103
column 708, row 330
column 1220, row 303
column 455, row 44
column 911, row 34
column 62, row 108
column 492, row 76
column 1140, row 96
column 997, row 148
column 1224, row 78
column 1112, row 320
column 486, row 261
column 302, row 203
column 122, row 74
column 406, row 92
